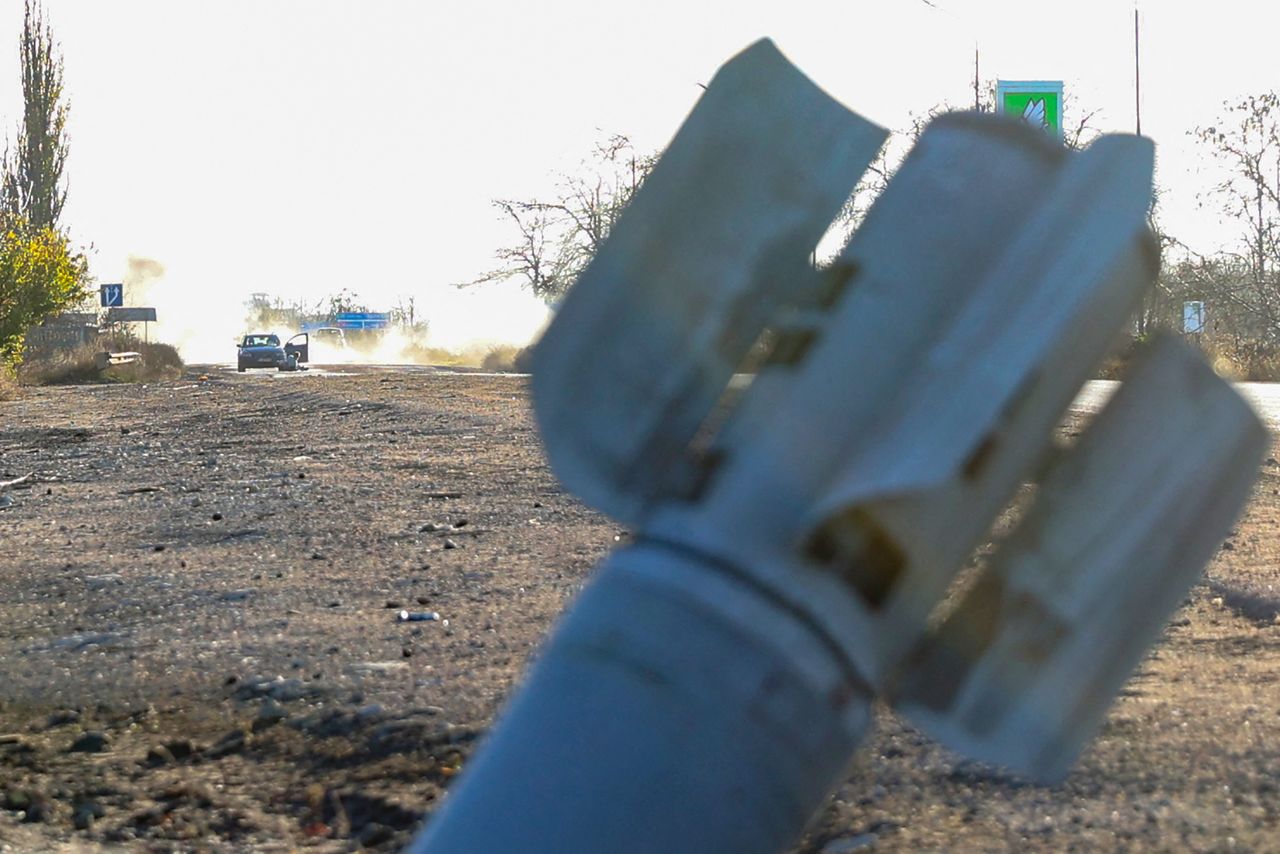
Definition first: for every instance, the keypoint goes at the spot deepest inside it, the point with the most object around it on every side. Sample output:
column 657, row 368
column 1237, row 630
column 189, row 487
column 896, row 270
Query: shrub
column 501, row 358
column 80, row 366
column 506, row 358
column 39, row 276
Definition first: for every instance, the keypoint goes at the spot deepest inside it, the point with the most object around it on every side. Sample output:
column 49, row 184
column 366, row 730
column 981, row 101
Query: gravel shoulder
column 199, row 643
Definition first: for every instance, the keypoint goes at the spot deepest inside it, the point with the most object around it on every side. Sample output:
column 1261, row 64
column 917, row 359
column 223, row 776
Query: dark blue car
column 263, row 350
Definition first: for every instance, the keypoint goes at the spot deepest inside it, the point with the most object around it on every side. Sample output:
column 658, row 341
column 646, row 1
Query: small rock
column 85, row 814
column 450, row 544
column 159, row 755
column 850, row 844
column 417, row 617
column 288, row 690
column 1228, row 546
column 429, row 528
column 270, row 714
column 39, row 810
column 170, row 752
column 93, row 741
column 373, row 834
column 62, row 717
column 371, row 668
column 217, row 517
column 232, row 742
column 17, row 799
column 392, row 604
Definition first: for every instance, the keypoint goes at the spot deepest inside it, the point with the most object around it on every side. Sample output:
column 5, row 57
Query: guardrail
column 109, row 360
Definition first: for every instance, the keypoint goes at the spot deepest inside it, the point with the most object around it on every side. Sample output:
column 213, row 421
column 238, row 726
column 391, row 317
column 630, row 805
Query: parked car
column 330, row 336
column 264, row 350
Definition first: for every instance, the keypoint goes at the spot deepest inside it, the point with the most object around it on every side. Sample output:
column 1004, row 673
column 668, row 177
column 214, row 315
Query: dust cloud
column 204, row 319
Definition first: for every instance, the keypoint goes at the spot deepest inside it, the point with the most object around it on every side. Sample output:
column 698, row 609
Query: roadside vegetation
column 8, row 385
column 82, row 365
column 506, row 358
column 554, row 237
column 41, row 273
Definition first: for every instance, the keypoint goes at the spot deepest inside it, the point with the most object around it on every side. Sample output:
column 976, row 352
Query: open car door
column 299, row 347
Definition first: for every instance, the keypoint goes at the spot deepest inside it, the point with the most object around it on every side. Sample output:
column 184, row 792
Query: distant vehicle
column 263, row 350
column 330, row 336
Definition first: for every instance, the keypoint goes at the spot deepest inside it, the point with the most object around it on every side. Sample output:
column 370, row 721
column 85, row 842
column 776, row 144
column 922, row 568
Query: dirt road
column 199, row 644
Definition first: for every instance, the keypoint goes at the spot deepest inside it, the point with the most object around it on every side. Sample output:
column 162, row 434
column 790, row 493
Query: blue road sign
column 362, row 320
column 112, row 295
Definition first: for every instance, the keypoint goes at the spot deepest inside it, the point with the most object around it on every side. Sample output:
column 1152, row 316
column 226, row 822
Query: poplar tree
column 34, row 189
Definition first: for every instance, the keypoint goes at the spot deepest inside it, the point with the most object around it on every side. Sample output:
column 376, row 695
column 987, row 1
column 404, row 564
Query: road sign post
column 111, row 295
column 1193, row 317
column 1036, row 102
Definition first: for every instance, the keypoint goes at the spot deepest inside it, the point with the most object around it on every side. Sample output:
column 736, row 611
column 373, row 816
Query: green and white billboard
column 1036, row 102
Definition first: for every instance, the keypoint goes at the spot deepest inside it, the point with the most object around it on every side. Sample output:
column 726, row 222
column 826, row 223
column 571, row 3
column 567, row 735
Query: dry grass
column 421, row 354
column 506, row 358
column 503, row 357
column 1234, row 363
column 80, row 366
column 1258, row 369
column 8, row 385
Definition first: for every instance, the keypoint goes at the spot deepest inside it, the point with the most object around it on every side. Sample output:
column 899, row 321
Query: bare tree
column 33, row 185
column 556, row 238
column 535, row 258
column 1245, row 141
column 1081, row 131
column 1079, row 128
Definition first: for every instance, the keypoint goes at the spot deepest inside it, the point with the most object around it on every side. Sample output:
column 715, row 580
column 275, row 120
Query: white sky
column 304, row 146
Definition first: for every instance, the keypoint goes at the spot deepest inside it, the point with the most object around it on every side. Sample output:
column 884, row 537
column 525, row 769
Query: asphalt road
column 1264, row 397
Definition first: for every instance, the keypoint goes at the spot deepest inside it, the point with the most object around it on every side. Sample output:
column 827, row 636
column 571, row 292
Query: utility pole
column 977, row 104
column 1137, row 72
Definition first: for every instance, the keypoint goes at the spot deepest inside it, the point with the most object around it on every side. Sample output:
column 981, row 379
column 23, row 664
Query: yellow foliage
column 40, row 275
